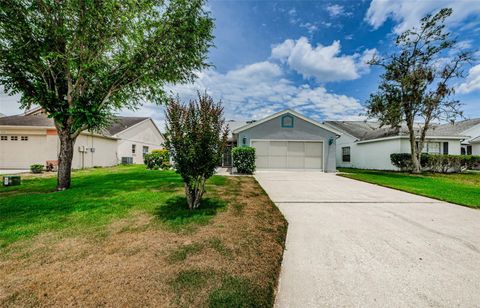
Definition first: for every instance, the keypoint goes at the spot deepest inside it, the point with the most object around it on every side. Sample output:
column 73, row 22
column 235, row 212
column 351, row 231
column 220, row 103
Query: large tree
column 417, row 85
column 82, row 60
column 196, row 136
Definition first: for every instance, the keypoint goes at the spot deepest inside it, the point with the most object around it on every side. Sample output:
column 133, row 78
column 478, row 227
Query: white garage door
column 288, row 154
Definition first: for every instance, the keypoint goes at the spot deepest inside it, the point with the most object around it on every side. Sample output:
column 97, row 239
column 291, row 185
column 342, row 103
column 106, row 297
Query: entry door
column 288, row 154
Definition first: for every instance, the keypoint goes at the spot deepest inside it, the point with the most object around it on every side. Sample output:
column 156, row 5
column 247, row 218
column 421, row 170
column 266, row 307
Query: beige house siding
column 42, row 146
column 143, row 134
column 104, row 152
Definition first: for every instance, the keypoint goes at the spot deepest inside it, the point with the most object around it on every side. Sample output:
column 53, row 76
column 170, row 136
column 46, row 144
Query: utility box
column 11, row 180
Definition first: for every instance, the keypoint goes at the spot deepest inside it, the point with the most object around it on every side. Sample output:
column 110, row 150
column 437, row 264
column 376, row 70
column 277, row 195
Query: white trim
column 406, row 137
column 275, row 115
column 297, row 140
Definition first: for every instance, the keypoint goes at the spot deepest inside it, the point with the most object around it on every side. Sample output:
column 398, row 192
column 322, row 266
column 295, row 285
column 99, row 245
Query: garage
column 287, row 154
column 288, row 140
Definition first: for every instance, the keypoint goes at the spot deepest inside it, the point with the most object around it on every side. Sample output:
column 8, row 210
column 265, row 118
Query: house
column 31, row 138
column 366, row 145
column 288, row 140
column 471, row 130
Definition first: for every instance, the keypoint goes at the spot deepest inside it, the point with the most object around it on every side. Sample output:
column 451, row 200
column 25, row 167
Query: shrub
column 437, row 162
column 244, row 159
column 404, row 160
column 36, row 168
column 157, row 159
column 452, row 163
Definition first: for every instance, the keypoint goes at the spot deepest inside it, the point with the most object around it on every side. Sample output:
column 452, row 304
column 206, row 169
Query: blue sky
column 310, row 55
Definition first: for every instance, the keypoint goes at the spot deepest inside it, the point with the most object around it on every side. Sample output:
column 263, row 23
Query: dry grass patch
column 229, row 256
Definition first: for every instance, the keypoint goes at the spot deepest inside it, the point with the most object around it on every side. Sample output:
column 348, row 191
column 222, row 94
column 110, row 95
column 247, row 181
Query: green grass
column 97, row 197
column 462, row 188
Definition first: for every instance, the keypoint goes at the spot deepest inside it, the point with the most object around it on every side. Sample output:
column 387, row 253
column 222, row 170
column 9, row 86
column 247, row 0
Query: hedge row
column 437, row 162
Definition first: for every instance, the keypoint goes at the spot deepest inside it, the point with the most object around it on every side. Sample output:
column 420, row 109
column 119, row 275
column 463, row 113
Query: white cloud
column 335, row 10
column 472, row 82
column 258, row 90
column 408, row 13
column 325, row 63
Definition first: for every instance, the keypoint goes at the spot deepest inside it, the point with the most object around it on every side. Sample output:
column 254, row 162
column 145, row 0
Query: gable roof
column 118, row 125
column 365, row 130
column 286, row 111
column 122, row 123
column 457, row 127
column 475, row 140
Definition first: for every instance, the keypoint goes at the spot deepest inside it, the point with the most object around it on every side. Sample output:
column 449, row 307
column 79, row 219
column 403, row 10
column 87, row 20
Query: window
column 14, row 138
column 287, row 121
column 4, row 138
column 145, row 150
column 134, row 148
column 469, row 150
column 431, row 148
column 24, row 138
column 445, row 148
column 346, row 154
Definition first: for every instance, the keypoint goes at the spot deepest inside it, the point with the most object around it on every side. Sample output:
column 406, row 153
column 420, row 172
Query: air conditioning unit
column 127, row 160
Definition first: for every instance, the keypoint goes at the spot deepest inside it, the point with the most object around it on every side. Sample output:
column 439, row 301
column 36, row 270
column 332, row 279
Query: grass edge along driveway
column 122, row 236
column 461, row 188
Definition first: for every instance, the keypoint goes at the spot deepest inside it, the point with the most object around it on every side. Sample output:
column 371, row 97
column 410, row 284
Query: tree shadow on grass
column 175, row 213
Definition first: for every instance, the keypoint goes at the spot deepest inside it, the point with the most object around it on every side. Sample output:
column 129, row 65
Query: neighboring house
column 31, row 138
column 471, row 130
column 288, row 140
column 367, row 145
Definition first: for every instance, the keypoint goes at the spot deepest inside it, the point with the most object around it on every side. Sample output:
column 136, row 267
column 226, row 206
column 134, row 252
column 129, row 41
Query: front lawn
column 462, row 188
column 122, row 236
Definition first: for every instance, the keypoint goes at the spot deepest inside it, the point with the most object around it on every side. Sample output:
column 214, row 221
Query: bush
column 452, row 163
column 437, row 162
column 36, row 168
column 157, row 159
column 244, row 159
column 404, row 160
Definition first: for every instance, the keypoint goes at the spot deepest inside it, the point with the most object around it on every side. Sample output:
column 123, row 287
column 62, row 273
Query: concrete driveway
column 353, row 244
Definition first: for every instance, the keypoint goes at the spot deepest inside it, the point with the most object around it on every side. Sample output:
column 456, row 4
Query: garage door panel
column 277, row 162
column 261, row 162
column 261, row 147
column 296, row 162
column 296, row 148
column 313, row 149
column 313, row 163
column 278, row 148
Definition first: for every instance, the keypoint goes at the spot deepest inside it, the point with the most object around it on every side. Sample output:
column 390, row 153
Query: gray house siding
column 301, row 131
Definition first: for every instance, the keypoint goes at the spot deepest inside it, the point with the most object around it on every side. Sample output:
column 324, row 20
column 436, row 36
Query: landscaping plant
column 244, row 159
column 36, row 168
column 196, row 136
column 82, row 61
column 418, row 82
column 157, row 159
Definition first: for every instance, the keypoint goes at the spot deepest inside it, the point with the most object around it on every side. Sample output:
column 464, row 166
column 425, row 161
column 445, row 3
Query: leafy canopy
column 83, row 59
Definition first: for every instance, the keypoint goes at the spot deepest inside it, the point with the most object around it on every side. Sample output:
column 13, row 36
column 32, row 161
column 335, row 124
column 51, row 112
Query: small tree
column 416, row 85
column 83, row 60
column 196, row 137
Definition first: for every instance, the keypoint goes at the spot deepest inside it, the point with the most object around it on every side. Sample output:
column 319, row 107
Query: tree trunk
column 65, row 157
column 416, row 166
column 194, row 194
